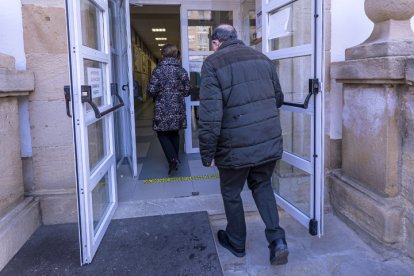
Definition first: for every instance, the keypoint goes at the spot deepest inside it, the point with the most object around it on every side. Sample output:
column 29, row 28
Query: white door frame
column 315, row 109
column 128, row 49
column 87, row 178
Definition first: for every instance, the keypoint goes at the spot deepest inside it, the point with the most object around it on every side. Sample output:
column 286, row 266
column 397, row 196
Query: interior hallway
column 153, row 182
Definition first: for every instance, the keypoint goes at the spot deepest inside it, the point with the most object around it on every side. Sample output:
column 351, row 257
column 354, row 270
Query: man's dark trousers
column 258, row 180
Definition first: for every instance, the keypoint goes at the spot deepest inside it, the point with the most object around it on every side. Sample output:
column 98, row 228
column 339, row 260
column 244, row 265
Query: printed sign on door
column 95, row 81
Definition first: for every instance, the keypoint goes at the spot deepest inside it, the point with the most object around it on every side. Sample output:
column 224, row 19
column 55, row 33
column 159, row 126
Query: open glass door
column 197, row 23
column 120, row 42
column 200, row 28
column 94, row 99
column 291, row 38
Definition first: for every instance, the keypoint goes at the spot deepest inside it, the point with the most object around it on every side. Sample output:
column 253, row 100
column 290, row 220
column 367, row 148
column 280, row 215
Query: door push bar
column 66, row 90
column 86, row 97
column 313, row 90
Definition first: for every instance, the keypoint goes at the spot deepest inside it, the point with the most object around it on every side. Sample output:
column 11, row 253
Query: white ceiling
column 146, row 17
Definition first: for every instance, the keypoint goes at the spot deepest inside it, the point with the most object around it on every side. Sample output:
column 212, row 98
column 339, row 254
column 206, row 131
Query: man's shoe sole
column 235, row 253
column 281, row 257
column 230, row 248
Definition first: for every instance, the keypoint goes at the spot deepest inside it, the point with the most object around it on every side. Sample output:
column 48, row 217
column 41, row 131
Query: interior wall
column 143, row 63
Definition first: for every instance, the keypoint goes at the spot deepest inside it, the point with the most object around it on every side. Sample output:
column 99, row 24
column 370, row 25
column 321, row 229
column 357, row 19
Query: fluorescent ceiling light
column 161, row 44
column 158, row 30
column 160, row 38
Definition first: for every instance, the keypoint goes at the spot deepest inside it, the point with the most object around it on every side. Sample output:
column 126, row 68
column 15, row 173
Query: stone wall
column 51, row 169
column 332, row 145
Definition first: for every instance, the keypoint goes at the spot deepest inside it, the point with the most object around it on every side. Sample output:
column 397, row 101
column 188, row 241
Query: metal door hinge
column 314, row 86
column 66, row 90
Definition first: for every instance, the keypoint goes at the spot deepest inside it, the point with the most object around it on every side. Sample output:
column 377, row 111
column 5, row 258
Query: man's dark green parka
column 240, row 95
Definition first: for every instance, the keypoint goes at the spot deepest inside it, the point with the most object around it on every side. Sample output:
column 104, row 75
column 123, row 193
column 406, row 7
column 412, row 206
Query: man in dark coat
column 240, row 133
column 169, row 85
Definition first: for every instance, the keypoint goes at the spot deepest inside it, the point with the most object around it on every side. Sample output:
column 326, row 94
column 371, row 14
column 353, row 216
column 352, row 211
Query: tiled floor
column 151, row 159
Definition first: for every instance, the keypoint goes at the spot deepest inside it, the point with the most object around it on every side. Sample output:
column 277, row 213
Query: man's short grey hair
column 224, row 32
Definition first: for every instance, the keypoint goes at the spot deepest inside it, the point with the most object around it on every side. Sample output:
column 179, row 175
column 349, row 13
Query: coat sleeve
column 211, row 113
column 154, row 85
column 185, row 83
column 278, row 90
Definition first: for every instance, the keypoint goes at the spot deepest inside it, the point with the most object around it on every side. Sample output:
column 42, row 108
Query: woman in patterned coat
column 169, row 85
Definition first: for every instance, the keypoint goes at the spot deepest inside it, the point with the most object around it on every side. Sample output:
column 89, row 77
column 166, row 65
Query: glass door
column 93, row 104
column 200, row 28
column 291, row 38
column 125, row 143
column 199, row 21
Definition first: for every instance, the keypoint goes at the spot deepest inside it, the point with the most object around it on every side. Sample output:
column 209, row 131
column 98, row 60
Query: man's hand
column 213, row 164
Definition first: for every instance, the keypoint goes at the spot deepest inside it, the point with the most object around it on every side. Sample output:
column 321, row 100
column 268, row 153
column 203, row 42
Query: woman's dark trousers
column 170, row 142
column 259, row 182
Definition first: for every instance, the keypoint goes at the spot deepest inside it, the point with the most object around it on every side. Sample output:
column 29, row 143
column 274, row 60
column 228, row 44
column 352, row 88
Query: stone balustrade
column 19, row 216
column 373, row 190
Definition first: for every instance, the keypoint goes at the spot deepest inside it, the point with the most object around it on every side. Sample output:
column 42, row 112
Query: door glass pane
column 94, row 75
column 195, row 82
column 196, row 62
column 201, row 25
column 91, row 24
column 294, row 74
column 194, row 125
column 290, row 25
column 112, row 24
column 100, row 201
column 293, row 185
column 96, row 140
column 296, row 129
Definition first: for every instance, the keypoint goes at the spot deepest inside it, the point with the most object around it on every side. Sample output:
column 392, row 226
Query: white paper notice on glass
column 279, row 24
column 195, row 66
column 95, row 81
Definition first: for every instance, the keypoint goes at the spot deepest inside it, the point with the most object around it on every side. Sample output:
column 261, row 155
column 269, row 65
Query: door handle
column 313, row 90
column 66, row 90
column 86, row 97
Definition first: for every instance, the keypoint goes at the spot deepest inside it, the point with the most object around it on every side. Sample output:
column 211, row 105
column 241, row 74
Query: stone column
column 369, row 191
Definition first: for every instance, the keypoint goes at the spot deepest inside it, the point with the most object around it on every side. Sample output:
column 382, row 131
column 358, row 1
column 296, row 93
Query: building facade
column 366, row 108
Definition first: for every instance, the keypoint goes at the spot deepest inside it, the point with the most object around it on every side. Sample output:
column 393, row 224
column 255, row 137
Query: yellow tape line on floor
column 184, row 178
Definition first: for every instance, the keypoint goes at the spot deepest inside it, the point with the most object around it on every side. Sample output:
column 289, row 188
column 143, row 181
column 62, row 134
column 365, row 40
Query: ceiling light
column 158, row 30
column 160, row 38
column 161, row 44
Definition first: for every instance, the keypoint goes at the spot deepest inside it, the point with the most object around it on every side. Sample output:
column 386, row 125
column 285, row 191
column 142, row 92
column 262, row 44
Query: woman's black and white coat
column 169, row 85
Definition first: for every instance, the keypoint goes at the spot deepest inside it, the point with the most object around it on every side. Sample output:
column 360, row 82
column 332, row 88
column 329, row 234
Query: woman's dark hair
column 169, row 50
column 224, row 32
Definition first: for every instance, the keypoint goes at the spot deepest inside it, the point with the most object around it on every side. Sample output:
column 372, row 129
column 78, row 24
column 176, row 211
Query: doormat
column 178, row 244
